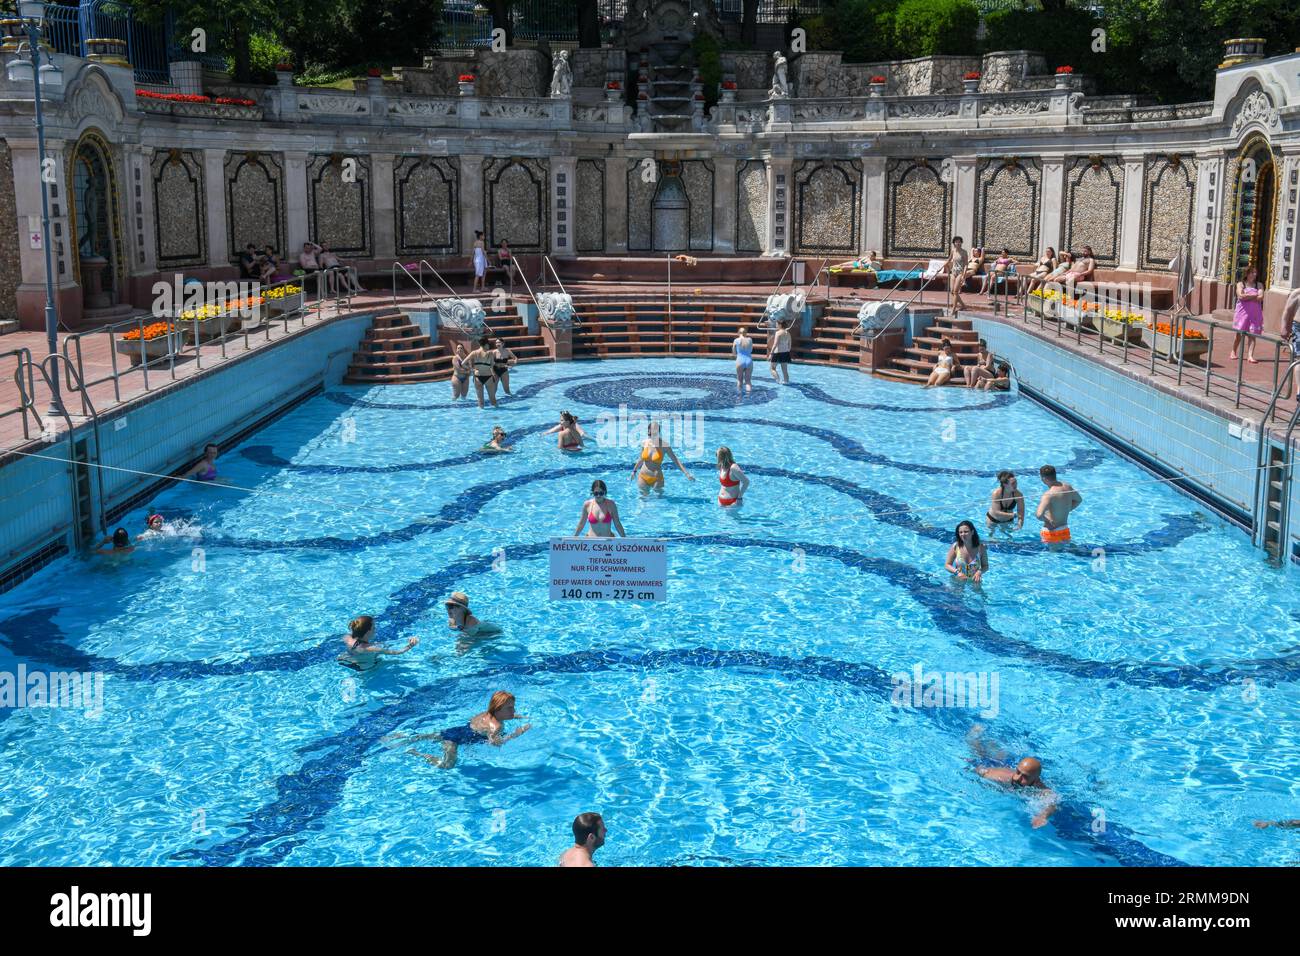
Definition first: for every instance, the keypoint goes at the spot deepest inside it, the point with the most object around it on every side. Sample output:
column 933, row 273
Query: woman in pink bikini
column 1248, row 319
column 599, row 514
column 734, row 482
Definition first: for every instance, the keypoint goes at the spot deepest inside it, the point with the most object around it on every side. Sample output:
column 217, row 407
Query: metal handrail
column 27, row 394
column 50, row 377
column 410, row 275
column 1262, row 442
column 1284, row 502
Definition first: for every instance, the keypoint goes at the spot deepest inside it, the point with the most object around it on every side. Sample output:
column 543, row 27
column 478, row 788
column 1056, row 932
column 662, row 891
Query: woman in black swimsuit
column 502, row 359
column 1007, row 505
column 482, row 362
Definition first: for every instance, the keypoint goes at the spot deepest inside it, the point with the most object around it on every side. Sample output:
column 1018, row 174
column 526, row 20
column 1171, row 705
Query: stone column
column 777, row 236
column 1131, row 228
column 1049, row 226
column 31, row 254
column 616, row 204
column 1286, row 250
column 143, row 224
column 214, row 193
column 874, row 196
column 1212, row 210
column 564, row 205
column 963, row 200
column 724, row 204
column 295, row 203
column 472, row 214
column 384, row 207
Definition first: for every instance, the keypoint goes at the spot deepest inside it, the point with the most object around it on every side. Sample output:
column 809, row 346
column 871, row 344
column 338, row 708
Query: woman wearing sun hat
column 462, row 620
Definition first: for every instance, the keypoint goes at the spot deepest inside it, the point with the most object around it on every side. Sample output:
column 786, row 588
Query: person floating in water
column 732, row 481
column 498, row 440
column 968, row 558
column 362, row 652
column 743, row 348
column 206, row 469
column 1055, row 506
column 588, row 837
column 462, row 620
column 570, row 432
column 1281, row 824
column 119, row 544
column 1007, row 507
column 153, row 526
column 482, row 728
column 600, row 514
column 1026, row 775
column 648, row 469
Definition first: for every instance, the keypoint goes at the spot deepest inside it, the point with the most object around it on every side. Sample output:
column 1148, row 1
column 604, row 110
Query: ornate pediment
column 1257, row 108
column 92, row 98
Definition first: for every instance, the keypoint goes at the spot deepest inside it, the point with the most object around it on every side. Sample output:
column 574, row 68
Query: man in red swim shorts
column 1055, row 506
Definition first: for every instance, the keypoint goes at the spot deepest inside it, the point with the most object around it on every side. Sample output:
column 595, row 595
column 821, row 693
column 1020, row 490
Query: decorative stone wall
column 592, row 67
column 255, row 202
column 918, row 209
column 751, row 205
column 426, row 196
column 338, row 211
column 827, row 200
column 10, row 271
column 1168, row 204
column 516, row 200
column 920, row 77
column 510, row 72
column 1010, row 71
column 1227, row 232
column 1006, row 205
column 180, row 208
column 1094, row 206
column 590, row 200
column 640, row 197
column 752, row 71
column 697, row 175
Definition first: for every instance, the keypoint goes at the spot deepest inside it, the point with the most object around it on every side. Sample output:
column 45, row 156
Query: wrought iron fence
column 68, row 28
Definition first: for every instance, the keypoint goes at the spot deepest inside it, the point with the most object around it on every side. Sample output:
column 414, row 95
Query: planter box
column 208, row 329
column 160, row 347
column 1120, row 331
column 1074, row 318
column 1166, row 346
column 290, row 303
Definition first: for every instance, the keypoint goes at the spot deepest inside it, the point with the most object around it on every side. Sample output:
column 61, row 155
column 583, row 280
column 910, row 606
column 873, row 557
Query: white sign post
column 609, row 569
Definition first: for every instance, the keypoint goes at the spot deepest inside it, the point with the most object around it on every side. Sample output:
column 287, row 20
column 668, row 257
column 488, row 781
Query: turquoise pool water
column 749, row 719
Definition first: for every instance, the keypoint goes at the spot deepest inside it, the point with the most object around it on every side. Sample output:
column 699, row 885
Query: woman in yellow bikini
column 648, row 469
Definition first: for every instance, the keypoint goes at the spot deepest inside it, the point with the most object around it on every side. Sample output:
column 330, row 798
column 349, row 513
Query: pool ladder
column 1274, row 462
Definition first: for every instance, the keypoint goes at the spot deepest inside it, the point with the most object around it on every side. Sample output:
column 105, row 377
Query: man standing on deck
column 956, row 269
column 1055, row 506
column 588, row 837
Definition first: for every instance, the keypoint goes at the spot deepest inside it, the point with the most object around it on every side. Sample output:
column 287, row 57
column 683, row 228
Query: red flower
column 233, row 101
column 466, row 78
column 613, row 85
column 1064, row 70
column 972, row 75
column 728, row 84
column 878, row 79
column 374, row 71
column 174, row 97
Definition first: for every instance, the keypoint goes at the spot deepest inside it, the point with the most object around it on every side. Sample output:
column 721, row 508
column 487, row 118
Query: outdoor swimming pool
column 748, row 720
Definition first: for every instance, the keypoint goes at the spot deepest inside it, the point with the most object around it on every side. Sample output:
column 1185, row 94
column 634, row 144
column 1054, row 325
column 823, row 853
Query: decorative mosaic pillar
column 724, row 204
column 214, row 187
column 1049, row 230
column 1131, row 230
column 963, row 213
column 140, row 214
column 874, row 173
column 1211, row 208
column 295, row 204
column 1286, row 260
column 616, row 204
column 472, row 216
column 385, row 207
column 779, row 206
column 564, row 201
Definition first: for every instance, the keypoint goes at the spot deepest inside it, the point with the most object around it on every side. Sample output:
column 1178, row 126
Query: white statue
column 561, row 75
column 780, row 84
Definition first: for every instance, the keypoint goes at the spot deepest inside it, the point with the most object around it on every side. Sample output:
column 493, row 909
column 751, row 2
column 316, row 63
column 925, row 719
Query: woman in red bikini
column 734, row 482
column 571, row 433
column 599, row 514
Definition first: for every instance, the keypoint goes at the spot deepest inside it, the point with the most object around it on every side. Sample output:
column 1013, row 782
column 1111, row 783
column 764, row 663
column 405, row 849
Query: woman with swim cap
column 484, row 728
column 743, row 347
column 734, row 482
column 600, row 514
column 968, row 559
column 648, row 469
column 570, row 432
column 362, row 652
column 153, row 527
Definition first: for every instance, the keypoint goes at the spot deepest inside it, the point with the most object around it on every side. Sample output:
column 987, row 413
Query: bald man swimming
column 1027, row 775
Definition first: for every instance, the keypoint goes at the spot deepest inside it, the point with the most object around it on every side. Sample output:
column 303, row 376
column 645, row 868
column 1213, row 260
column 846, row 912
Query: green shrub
column 862, row 29
column 708, row 63
column 932, row 27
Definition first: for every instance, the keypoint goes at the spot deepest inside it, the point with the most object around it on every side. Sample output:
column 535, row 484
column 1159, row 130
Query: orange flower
column 154, row 330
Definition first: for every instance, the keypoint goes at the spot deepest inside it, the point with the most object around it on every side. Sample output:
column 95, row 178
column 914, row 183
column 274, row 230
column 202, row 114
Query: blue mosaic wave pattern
column 751, row 719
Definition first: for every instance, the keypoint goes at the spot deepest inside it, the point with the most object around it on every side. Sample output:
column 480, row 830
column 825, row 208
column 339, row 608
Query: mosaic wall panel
column 10, row 269
column 338, row 210
column 590, row 198
column 1168, row 204
column 918, row 209
column 254, row 201
column 180, row 209
column 426, row 193
column 1006, row 205
column 1227, row 234
column 1094, row 206
column 697, row 175
column 827, row 200
column 751, row 205
column 640, row 196
column 516, row 197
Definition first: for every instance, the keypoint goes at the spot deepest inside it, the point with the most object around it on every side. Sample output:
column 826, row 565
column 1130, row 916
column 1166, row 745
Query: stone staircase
column 833, row 340
column 512, row 330
column 915, row 362
column 396, row 352
column 633, row 324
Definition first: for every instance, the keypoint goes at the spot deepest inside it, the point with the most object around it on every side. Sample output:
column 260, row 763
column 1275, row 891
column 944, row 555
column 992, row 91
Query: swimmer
column 1007, row 506
column 599, row 513
column 648, row 469
column 498, row 440
column 481, row 728
column 483, row 364
column 570, row 432
column 119, row 544
column 1055, row 506
column 734, row 482
column 362, row 652
column 153, row 527
column 502, row 360
column 779, row 353
column 743, row 348
column 1027, row 775
column 1281, row 824
column 588, row 837
column 460, row 370
column 206, row 469
column 462, row 620
column 968, row 559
